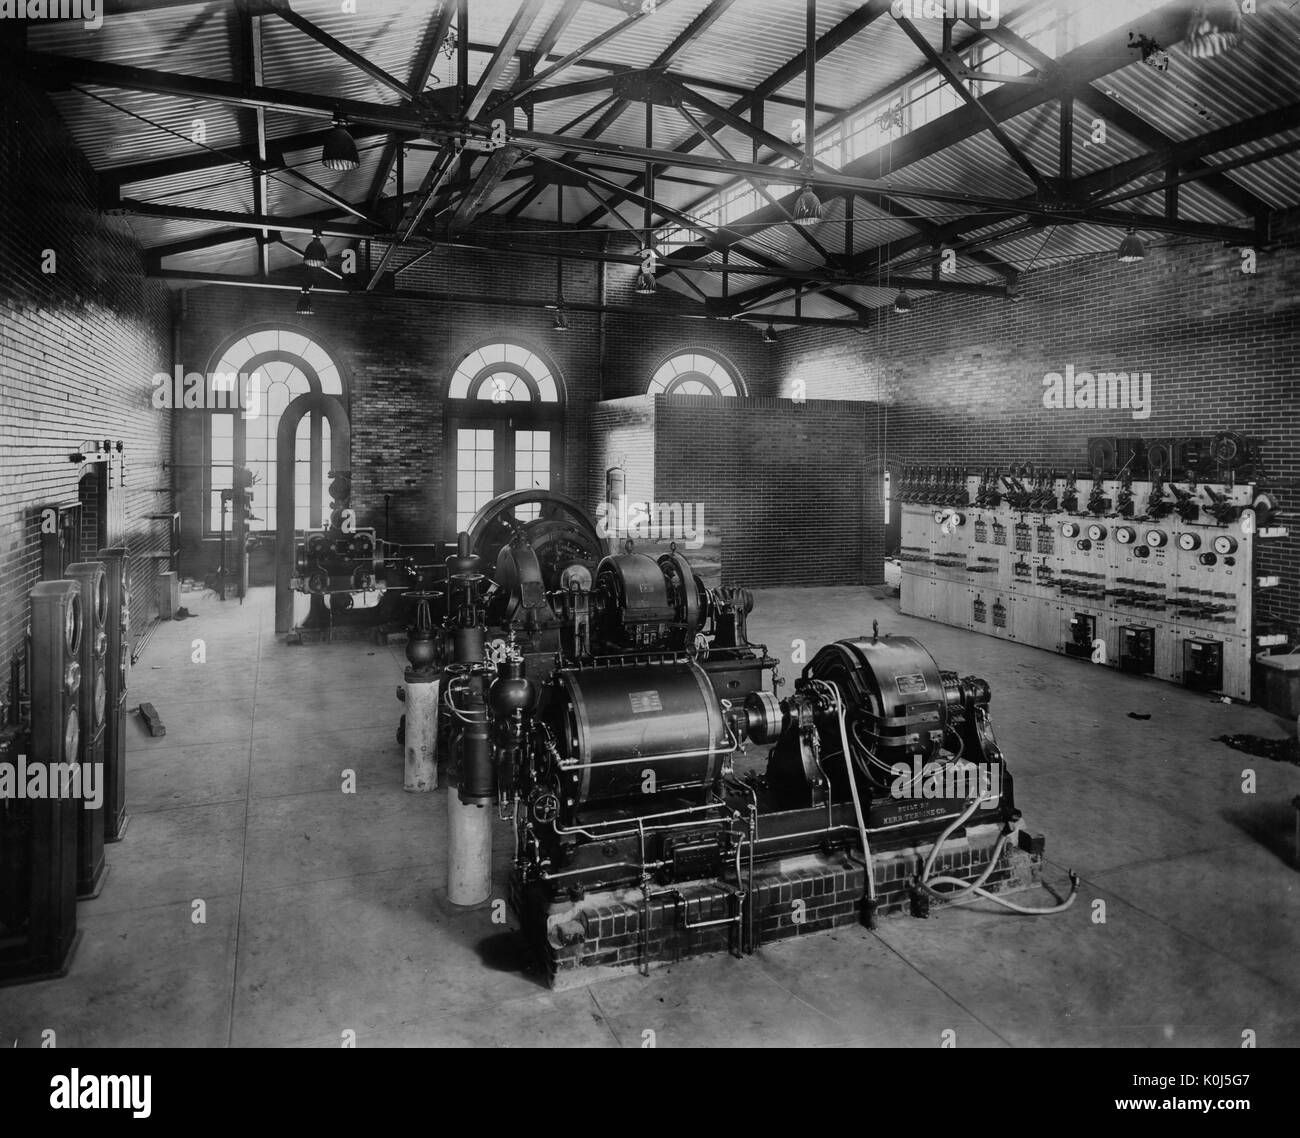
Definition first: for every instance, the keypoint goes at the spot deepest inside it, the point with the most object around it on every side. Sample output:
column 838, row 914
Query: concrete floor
column 326, row 912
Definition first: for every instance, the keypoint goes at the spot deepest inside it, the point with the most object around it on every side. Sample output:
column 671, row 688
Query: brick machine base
column 602, row 934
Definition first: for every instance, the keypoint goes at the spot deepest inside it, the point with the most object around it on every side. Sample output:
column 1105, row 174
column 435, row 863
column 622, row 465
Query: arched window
column 271, row 367
column 503, row 428
column 695, row 373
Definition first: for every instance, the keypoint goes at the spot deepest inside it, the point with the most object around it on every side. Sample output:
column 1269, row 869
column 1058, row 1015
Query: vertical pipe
column 649, row 168
column 810, row 83
column 421, row 738
column 469, row 848
column 462, row 53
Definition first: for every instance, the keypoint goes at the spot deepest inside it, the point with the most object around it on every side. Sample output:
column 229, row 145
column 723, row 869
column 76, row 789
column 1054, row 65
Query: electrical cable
column 853, row 789
column 975, row 888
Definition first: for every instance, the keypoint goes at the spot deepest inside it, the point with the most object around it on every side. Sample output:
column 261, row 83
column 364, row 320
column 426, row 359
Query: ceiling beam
column 576, row 56
column 56, row 71
column 839, row 35
column 282, row 282
column 244, row 154
column 503, row 57
column 696, row 28
column 944, row 65
column 322, row 37
column 435, row 34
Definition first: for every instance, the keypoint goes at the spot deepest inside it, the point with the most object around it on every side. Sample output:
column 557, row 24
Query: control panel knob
column 1083, row 545
column 1208, row 558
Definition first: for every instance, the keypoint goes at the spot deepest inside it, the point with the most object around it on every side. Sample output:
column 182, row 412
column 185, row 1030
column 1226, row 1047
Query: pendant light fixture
column 315, row 256
column 339, row 151
column 1131, row 248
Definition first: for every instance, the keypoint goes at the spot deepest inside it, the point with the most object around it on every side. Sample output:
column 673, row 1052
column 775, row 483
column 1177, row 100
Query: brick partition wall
column 962, row 377
column 77, row 349
column 793, row 487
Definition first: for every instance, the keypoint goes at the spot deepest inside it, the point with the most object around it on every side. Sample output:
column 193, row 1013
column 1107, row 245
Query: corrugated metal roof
column 750, row 41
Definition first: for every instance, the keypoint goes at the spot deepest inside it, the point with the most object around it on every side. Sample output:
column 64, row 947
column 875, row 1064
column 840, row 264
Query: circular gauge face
column 1083, row 545
column 71, row 736
column 1224, row 544
column 1069, row 529
column 72, row 624
column 124, row 666
column 1156, row 538
column 101, row 600
column 1189, row 542
column 1097, row 532
column 1208, row 558
column 938, row 516
column 72, row 678
column 1125, row 534
column 101, row 696
column 101, row 644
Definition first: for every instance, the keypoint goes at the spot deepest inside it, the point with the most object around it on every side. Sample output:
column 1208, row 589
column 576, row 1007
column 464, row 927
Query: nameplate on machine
column 643, row 701
column 911, row 685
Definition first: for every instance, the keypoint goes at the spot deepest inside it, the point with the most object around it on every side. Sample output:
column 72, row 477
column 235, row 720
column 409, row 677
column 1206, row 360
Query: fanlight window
column 693, row 373
column 281, row 365
column 504, row 373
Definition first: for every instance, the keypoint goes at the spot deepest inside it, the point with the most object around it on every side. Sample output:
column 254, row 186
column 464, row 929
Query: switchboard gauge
column 1070, row 529
column 1141, row 551
column 1156, row 538
column 71, row 735
column 1097, row 532
column 1224, row 544
column 1125, row 535
column 1189, row 542
column 1083, row 545
column 1208, row 558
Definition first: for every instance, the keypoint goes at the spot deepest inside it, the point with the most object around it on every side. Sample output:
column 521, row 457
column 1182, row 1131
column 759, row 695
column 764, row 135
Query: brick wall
column 962, row 376
column 794, row 488
column 77, row 349
column 399, row 355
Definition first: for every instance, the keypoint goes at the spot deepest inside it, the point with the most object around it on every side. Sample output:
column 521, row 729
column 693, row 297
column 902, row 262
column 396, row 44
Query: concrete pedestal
column 469, row 860
column 421, row 731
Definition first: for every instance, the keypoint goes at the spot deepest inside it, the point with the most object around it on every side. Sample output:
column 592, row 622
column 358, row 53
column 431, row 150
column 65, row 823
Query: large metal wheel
column 561, row 534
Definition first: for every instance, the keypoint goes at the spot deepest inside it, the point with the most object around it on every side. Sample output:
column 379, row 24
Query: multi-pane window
column 272, row 367
column 503, row 417
column 475, row 463
column 694, row 373
column 532, row 466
